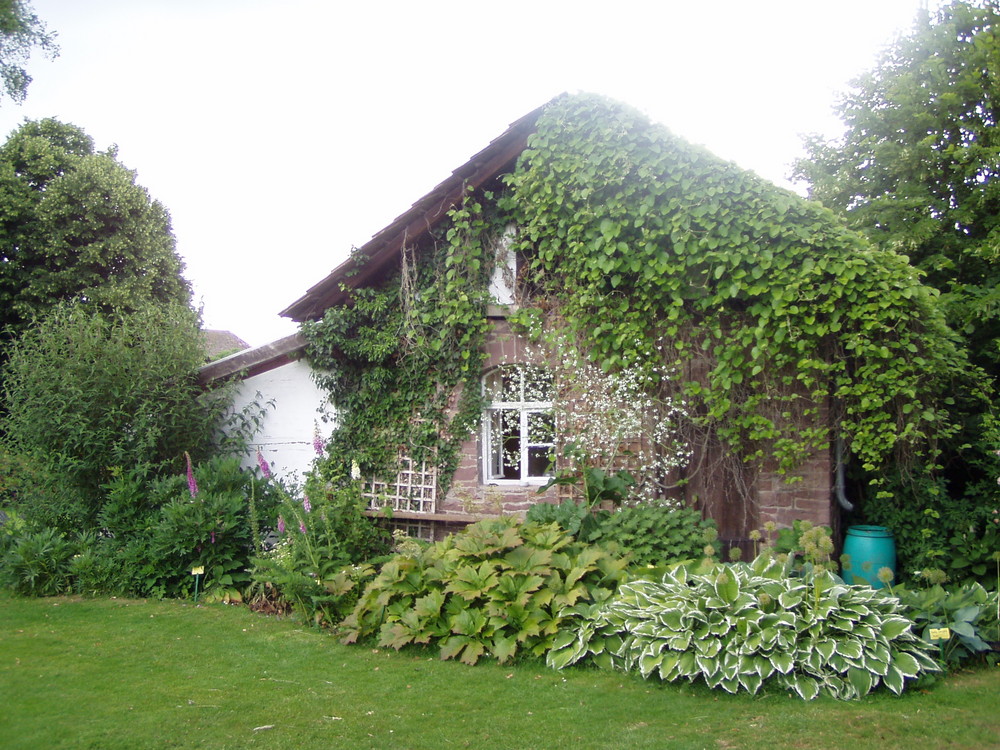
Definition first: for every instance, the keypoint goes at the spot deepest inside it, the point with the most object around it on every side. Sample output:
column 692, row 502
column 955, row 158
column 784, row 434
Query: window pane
column 493, row 385
column 505, row 444
column 541, row 428
column 539, row 461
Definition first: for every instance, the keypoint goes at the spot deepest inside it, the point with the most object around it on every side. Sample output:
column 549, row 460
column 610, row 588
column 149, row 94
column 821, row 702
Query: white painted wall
column 286, row 436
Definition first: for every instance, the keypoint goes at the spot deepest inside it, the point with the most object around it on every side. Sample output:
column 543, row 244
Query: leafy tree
column 917, row 171
column 89, row 394
column 20, row 31
column 917, row 168
column 74, row 225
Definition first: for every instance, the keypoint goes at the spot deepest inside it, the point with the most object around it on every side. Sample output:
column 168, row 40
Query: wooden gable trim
column 373, row 259
column 255, row 361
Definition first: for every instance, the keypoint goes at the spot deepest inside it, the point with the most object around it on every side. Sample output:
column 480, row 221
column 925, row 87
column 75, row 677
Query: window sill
column 531, row 482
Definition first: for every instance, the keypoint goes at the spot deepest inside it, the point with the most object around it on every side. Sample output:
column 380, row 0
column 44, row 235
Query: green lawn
column 79, row 673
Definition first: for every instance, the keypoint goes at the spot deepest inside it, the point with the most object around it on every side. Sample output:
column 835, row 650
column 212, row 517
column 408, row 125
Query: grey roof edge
column 421, row 217
column 250, row 362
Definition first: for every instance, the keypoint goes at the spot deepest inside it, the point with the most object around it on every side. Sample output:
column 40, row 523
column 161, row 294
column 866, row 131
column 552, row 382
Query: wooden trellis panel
column 414, row 490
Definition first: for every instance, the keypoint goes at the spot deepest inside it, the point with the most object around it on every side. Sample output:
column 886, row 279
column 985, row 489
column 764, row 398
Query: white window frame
column 493, row 459
column 505, row 268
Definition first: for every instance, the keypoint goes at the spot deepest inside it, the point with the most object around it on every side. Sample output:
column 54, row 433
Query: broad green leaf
column 807, row 687
column 893, row 679
column 782, row 662
column 503, row 648
column 893, row 627
column 861, row 679
column 906, row 664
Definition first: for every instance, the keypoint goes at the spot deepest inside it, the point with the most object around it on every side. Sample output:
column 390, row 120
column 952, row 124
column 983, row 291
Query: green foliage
column 498, row 588
column 317, row 564
column 915, row 168
column 968, row 611
column 87, row 393
column 153, row 532
column 805, row 545
column 649, row 534
column 38, row 564
column 655, row 534
column 211, row 531
column 742, row 626
column 20, row 32
column 395, row 355
column 957, row 535
column 576, row 519
column 597, row 485
column 75, row 226
column 656, row 250
column 916, row 172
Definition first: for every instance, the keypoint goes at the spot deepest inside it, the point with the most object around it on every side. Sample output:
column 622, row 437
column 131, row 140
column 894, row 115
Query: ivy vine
column 402, row 360
column 654, row 248
column 651, row 250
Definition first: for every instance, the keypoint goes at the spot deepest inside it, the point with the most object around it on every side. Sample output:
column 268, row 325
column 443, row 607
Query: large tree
column 20, row 32
column 74, row 225
column 918, row 171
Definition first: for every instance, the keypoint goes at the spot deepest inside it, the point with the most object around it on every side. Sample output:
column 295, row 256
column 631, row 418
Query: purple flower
column 265, row 468
column 319, row 444
column 281, row 524
column 306, row 504
column 192, row 485
column 302, row 527
column 213, row 537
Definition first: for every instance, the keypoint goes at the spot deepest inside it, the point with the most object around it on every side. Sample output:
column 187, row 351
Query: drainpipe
column 839, row 481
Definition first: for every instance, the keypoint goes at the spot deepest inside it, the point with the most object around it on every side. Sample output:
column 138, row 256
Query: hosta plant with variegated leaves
column 744, row 625
column 499, row 587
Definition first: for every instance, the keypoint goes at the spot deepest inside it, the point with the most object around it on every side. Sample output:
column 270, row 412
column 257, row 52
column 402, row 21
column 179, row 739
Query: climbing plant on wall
column 653, row 248
column 402, row 360
column 650, row 250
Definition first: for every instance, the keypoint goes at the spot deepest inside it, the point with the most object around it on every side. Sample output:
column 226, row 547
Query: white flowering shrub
column 622, row 424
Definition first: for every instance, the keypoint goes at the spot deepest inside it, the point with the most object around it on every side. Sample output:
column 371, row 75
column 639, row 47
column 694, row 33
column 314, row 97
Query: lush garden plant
column 650, row 534
column 318, row 563
column 38, row 563
column 960, row 620
column 153, row 532
column 499, row 587
column 742, row 626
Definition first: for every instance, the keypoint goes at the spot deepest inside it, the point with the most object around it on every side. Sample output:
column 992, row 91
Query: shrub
column 743, row 625
column 38, row 563
column 655, row 534
column 498, row 587
column 650, row 534
column 968, row 612
column 315, row 563
column 86, row 391
column 572, row 517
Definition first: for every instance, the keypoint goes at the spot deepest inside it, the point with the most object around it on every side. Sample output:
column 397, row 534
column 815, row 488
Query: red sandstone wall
column 739, row 504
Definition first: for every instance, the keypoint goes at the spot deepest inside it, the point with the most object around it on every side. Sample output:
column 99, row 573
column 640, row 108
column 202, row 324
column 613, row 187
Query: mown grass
column 80, row 673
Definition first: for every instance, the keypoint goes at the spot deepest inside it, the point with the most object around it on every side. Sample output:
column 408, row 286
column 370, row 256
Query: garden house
column 582, row 212
column 468, row 347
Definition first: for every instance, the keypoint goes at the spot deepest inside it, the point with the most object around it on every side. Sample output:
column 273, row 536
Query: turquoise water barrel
column 867, row 550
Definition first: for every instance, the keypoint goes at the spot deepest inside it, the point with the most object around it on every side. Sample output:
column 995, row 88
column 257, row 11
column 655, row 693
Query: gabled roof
column 371, row 260
column 250, row 362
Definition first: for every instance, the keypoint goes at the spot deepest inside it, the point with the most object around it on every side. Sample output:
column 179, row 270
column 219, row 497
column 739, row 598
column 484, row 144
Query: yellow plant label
column 940, row 634
column 200, row 571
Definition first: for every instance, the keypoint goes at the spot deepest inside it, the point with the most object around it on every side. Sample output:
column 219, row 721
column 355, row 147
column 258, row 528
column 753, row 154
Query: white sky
column 279, row 133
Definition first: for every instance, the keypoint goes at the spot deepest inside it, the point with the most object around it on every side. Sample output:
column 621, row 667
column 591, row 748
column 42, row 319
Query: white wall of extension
column 299, row 406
